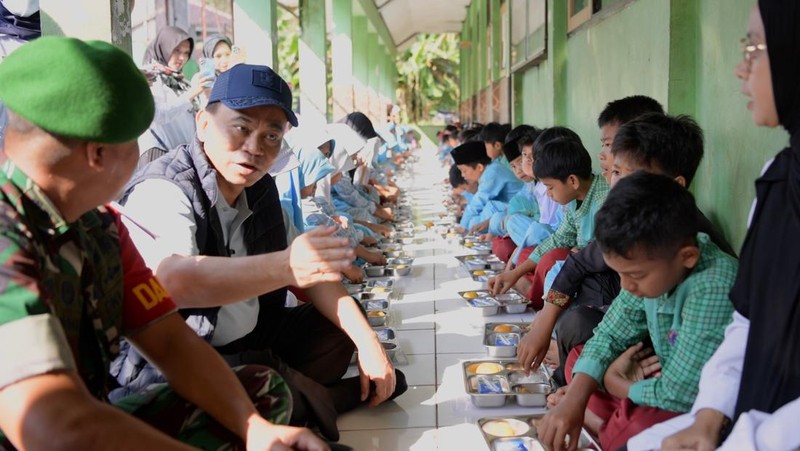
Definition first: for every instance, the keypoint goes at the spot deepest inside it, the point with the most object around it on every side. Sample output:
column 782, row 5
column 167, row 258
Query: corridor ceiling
column 407, row 18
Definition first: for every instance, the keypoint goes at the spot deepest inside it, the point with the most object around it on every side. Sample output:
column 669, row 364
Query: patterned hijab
column 156, row 58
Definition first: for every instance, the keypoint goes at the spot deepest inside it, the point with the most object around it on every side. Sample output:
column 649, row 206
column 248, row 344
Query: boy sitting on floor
column 495, row 181
column 586, row 285
column 565, row 168
column 675, row 285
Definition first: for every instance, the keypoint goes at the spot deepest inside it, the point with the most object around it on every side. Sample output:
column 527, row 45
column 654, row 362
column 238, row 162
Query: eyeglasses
column 748, row 49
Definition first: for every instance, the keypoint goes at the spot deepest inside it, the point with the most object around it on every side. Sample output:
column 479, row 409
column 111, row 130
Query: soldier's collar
column 57, row 224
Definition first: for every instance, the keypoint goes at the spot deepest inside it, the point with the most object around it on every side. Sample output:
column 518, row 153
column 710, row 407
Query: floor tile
column 421, row 369
column 417, row 341
column 412, row 315
column 414, row 409
column 413, row 439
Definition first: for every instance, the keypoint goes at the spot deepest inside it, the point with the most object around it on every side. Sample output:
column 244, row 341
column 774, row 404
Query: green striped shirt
column 686, row 326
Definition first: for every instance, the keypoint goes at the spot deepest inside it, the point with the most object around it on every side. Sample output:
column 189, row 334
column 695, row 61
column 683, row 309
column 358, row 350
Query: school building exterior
column 541, row 62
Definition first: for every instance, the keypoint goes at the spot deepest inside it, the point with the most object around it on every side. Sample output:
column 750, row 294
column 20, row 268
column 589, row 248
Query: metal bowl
column 374, row 270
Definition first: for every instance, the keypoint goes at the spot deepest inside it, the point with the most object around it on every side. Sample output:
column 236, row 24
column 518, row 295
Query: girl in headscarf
column 316, row 211
column 753, row 380
column 176, row 99
column 218, row 47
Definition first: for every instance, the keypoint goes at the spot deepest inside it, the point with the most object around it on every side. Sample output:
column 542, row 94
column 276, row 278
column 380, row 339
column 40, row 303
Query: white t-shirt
column 174, row 233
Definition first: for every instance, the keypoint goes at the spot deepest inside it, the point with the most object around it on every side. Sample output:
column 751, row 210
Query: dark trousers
column 311, row 354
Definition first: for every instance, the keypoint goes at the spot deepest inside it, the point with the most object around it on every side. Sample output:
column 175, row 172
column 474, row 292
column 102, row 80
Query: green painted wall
column 736, row 150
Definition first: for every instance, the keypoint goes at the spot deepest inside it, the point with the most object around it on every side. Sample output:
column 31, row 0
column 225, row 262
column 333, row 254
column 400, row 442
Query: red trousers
column 622, row 418
column 503, row 247
column 536, row 278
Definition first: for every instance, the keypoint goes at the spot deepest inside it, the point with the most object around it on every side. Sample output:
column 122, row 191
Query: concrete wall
column 680, row 52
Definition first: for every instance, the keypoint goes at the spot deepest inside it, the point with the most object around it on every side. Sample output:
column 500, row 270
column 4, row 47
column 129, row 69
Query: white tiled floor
column 437, row 331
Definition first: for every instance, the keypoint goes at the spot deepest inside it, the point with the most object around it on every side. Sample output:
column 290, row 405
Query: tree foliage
column 428, row 76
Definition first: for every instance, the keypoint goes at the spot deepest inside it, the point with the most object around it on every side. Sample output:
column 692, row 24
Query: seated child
column 565, row 168
column 526, row 233
column 523, row 205
column 675, row 285
column 616, row 114
column 493, row 136
column 462, row 191
column 586, row 285
column 495, row 181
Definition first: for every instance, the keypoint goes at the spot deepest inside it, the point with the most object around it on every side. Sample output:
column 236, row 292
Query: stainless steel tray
column 490, row 383
column 519, row 432
column 511, row 301
column 502, row 339
column 477, row 262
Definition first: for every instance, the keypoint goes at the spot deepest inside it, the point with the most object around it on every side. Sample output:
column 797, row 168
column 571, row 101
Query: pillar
column 313, row 67
column 342, row 58
column 255, row 29
column 105, row 20
column 360, row 70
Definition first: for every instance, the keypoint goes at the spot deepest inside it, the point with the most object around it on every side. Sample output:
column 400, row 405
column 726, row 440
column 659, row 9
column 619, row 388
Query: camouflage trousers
column 162, row 408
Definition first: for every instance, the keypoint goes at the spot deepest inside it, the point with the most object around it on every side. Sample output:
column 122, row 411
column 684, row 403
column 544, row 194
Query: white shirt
column 173, row 123
column 174, row 233
column 548, row 208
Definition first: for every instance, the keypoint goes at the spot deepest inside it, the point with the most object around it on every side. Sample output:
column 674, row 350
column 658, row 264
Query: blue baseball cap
column 247, row 85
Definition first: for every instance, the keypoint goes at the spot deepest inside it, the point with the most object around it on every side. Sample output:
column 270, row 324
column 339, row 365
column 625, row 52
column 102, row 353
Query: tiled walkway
column 437, row 331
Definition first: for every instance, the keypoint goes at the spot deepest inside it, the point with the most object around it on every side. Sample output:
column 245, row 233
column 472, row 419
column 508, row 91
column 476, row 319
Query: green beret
column 88, row 90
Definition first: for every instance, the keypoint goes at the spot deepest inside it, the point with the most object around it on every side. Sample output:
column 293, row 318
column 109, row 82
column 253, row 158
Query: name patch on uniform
column 150, row 293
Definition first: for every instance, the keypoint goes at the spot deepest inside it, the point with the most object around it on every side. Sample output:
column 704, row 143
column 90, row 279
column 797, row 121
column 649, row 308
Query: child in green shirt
column 675, row 285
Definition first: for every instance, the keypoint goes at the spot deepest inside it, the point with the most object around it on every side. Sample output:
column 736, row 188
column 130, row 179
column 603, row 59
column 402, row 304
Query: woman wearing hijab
column 176, row 99
column 218, row 47
column 753, row 380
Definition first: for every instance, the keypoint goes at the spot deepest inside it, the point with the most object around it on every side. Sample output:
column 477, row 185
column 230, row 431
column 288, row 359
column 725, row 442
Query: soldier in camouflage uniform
column 72, row 283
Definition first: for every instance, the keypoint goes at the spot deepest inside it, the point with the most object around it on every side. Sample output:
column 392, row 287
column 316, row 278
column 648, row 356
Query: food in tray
column 484, row 302
column 505, row 428
column 506, row 340
column 479, row 272
column 485, row 368
column 517, row 444
column 505, row 328
column 472, row 294
column 514, row 366
column 376, row 314
column 519, row 377
column 488, row 385
column 379, row 290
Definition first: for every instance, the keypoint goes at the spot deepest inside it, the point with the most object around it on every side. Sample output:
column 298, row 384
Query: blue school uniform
column 497, row 183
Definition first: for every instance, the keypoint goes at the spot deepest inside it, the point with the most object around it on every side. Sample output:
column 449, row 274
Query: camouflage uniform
column 67, row 294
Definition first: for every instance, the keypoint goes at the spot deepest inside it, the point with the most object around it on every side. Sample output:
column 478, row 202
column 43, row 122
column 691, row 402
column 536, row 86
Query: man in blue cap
column 72, row 282
column 214, row 220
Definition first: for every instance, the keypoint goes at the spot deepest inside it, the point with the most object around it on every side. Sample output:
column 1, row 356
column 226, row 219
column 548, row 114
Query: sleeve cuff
column 636, row 391
column 558, row 299
column 32, row 346
column 535, row 257
column 591, row 368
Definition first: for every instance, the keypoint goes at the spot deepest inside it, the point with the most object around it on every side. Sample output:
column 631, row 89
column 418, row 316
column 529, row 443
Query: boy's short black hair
column 673, row 144
column 627, row 109
column 495, row 132
column 456, row 179
column 512, row 146
column 562, row 157
column 469, row 134
column 553, row 133
column 649, row 211
column 528, row 138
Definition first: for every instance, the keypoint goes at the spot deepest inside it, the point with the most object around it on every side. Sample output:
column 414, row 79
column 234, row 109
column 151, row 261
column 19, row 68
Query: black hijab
column 25, row 28
column 165, row 42
column 767, row 287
